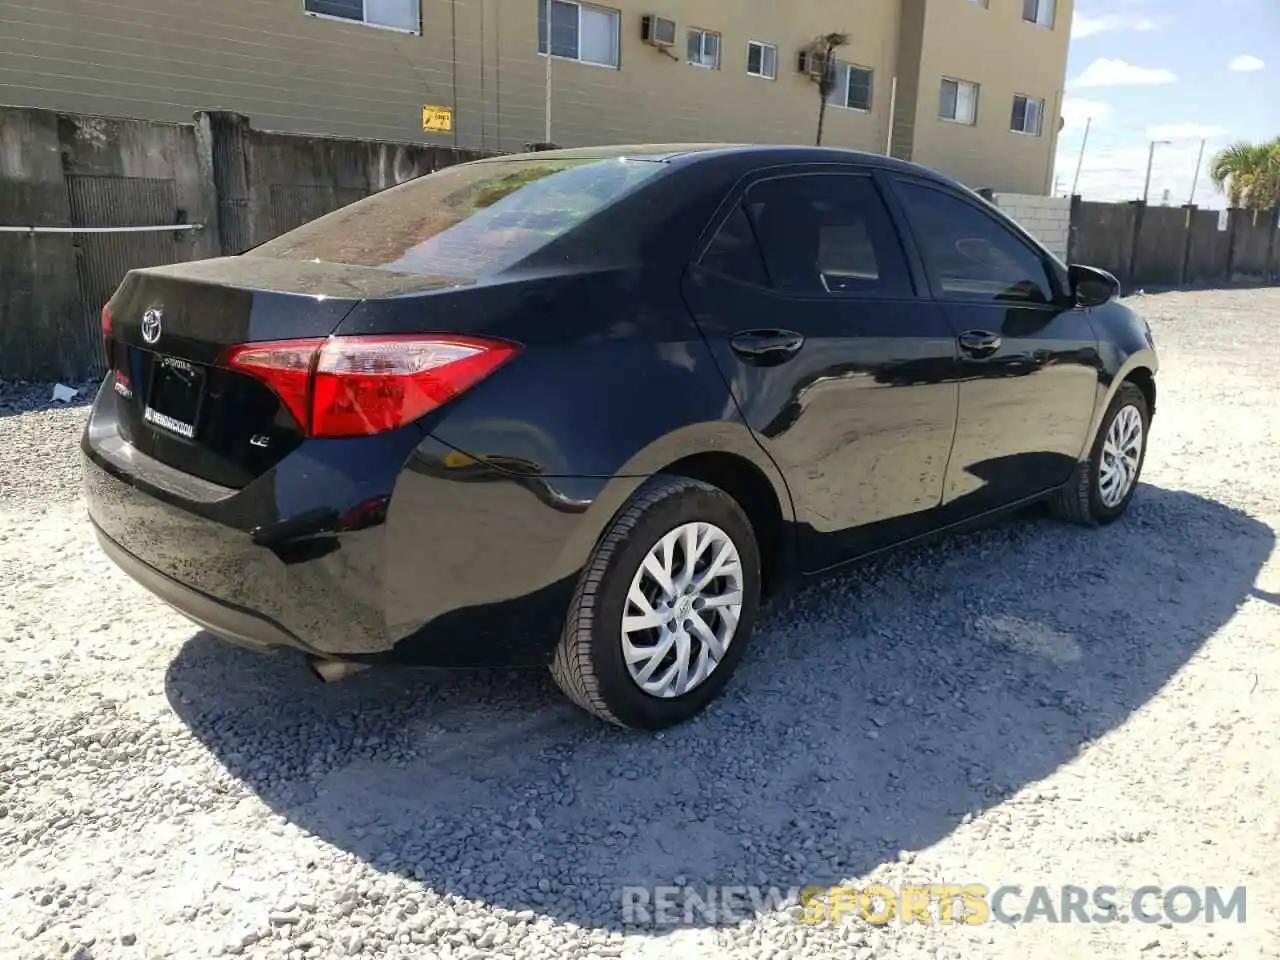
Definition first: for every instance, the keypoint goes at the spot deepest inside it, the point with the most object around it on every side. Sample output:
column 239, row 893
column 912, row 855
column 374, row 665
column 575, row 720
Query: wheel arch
column 1145, row 379
column 755, row 494
column 1139, row 368
column 724, row 454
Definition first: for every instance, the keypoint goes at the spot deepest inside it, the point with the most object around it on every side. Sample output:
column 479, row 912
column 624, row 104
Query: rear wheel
column 1102, row 487
column 664, row 608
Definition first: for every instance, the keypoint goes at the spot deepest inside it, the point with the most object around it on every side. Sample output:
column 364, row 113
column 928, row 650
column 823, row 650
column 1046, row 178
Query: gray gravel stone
column 1023, row 704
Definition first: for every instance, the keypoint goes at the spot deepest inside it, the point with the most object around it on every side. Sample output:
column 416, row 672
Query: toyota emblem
column 151, row 325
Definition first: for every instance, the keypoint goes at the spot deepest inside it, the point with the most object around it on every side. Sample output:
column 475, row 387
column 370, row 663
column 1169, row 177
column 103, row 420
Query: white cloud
column 1185, row 131
column 1077, row 111
column 1246, row 63
column 1117, row 173
column 1086, row 26
column 1118, row 73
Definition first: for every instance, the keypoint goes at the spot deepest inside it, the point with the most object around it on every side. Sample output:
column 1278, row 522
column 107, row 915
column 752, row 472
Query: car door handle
column 980, row 343
column 766, row 347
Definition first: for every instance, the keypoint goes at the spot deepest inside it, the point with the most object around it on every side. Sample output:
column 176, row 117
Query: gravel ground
column 1031, row 704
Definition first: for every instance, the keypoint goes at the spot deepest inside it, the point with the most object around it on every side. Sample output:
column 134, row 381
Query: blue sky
column 1178, row 70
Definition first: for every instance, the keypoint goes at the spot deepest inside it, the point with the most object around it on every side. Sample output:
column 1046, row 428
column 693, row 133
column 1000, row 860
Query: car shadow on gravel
column 874, row 713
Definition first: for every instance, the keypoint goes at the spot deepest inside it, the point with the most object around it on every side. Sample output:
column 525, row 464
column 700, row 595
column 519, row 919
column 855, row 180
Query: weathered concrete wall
column 242, row 185
column 1048, row 219
column 1102, row 236
column 1160, row 245
column 1208, row 248
column 1251, row 248
column 1166, row 246
column 37, row 273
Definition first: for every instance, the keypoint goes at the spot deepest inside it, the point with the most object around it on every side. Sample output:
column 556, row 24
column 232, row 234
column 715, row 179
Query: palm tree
column 1249, row 173
column 825, row 48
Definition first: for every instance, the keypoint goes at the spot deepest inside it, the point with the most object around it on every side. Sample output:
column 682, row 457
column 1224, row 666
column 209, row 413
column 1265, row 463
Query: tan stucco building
column 978, row 88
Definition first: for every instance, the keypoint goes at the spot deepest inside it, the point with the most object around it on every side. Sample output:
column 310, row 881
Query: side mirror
column 1091, row 287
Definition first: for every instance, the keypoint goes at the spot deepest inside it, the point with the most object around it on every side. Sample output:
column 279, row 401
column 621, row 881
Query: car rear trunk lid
column 171, row 325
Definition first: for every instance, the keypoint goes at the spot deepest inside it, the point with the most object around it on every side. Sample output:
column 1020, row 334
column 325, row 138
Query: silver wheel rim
column 1121, row 452
column 682, row 610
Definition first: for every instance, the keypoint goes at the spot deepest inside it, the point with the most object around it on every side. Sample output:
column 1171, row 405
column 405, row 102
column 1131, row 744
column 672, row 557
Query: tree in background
column 825, row 48
column 1250, row 174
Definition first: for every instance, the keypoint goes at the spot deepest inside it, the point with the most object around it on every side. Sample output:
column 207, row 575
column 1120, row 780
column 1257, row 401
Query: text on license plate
column 169, row 423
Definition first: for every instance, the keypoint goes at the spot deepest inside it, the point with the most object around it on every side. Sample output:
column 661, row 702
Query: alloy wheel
column 682, row 609
column 1121, row 454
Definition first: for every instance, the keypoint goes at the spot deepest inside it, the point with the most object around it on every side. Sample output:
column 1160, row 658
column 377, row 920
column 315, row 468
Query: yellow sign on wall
column 437, row 119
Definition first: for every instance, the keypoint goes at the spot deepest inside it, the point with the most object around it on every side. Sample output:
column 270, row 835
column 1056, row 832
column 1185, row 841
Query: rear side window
column 828, row 234
column 734, row 252
column 467, row 220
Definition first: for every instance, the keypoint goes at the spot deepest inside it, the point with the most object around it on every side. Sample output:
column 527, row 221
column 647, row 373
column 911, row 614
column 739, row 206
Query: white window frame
column 764, row 46
column 977, row 93
column 334, row 18
column 617, row 28
column 1039, row 117
column 1038, row 20
column 703, row 33
column 842, row 89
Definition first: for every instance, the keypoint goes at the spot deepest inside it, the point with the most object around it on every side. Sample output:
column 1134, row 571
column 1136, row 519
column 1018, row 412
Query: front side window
column 1028, row 113
column 852, row 87
column 396, row 14
column 970, row 255
column 704, row 49
column 1038, row 12
column 958, row 101
column 580, row 32
column 762, row 60
column 469, row 220
column 828, row 234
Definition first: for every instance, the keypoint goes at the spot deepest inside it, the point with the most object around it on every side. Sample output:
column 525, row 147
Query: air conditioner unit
column 812, row 63
column 657, row 31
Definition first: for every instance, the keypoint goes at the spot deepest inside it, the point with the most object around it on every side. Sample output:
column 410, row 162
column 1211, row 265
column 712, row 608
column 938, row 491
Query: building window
column 762, row 60
column 392, row 14
column 852, row 87
column 704, row 49
column 580, row 32
column 1038, row 11
column 1028, row 114
column 959, row 101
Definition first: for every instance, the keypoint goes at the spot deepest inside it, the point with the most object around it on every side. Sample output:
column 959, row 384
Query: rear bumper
column 381, row 548
column 234, row 624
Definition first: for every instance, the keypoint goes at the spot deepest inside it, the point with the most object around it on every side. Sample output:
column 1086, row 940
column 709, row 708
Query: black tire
column 1080, row 500
column 588, row 664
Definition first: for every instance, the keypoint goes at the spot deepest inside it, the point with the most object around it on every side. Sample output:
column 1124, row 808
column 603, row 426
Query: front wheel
column 664, row 608
column 1102, row 487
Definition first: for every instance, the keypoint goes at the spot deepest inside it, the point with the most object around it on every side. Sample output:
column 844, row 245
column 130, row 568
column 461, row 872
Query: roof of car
column 669, row 152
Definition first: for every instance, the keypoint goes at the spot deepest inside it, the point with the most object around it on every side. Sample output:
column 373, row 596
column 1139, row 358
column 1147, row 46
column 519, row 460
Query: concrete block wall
column 1048, row 219
column 242, row 185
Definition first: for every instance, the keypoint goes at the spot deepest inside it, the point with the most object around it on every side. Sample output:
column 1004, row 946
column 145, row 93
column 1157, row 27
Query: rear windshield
column 465, row 220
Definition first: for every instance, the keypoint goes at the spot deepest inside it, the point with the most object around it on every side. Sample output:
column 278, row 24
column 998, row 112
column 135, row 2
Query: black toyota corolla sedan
column 586, row 408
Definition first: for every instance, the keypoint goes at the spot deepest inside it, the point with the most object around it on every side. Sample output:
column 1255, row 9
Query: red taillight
column 354, row 386
column 283, row 365
column 106, row 336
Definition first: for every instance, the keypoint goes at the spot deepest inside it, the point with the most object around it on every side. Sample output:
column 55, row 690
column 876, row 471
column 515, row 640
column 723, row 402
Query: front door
column 845, row 375
column 1029, row 362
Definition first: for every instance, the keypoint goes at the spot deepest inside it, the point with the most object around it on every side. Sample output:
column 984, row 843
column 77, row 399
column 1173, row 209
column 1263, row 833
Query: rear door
column 844, row 373
column 1028, row 356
